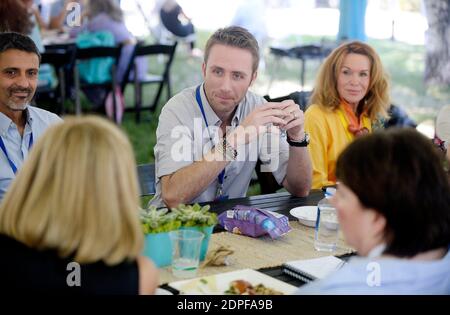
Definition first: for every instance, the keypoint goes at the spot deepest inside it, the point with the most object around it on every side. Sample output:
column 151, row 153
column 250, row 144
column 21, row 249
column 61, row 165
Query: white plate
column 306, row 215
column 218, row 284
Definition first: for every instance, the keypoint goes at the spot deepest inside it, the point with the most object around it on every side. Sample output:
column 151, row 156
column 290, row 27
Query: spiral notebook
column 311, row 269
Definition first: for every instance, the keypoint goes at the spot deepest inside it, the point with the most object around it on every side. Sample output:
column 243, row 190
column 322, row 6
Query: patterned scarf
column 355, row 125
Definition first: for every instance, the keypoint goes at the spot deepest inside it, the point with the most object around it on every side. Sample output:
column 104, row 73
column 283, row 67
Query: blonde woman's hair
column 77, row 193
column 375, row 103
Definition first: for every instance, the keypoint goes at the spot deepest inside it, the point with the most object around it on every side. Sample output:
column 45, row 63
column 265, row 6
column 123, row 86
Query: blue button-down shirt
column 383, row 275
column 17, row 146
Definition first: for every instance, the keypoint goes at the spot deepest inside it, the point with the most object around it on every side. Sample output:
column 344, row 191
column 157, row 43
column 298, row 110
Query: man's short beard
column 17, row 108
column 14, row 89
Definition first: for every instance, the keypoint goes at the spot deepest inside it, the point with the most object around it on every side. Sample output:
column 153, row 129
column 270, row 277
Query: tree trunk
column 437, row 42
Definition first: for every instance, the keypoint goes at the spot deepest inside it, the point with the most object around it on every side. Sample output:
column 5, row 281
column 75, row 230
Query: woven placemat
column 262, row 252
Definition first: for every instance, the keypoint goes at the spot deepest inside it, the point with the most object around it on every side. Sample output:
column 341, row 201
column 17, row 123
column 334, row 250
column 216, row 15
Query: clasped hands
column 270, row 117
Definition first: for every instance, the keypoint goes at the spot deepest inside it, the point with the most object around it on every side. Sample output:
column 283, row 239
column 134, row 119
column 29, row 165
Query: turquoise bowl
column 158, row 248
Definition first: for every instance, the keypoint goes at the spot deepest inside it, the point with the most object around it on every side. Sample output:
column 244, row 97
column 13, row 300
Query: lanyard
column 221, row 176
column 11, row 163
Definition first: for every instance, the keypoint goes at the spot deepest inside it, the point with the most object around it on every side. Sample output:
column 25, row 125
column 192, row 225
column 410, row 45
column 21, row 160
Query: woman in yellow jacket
column 350, row 95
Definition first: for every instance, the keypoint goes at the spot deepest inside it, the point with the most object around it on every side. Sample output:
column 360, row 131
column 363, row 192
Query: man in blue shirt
column 20, row 123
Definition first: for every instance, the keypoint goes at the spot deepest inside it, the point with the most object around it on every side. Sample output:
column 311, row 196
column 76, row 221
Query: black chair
column 398, row 118
column 266, row 180
column 300, row 97
column 83, row 54
column 146, row 176
column 62, row 60
column 163, row 79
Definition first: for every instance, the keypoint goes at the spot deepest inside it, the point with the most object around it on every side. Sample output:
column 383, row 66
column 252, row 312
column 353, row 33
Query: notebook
column 312, row 269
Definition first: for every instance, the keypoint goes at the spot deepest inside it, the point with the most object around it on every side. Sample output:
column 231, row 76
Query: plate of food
column 306, row 215
column 239, row 282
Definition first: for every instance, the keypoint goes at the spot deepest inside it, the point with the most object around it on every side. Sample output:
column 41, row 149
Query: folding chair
column 266, row 180
column 62, row 61
column 92, row 53
column 162, row 79
column 146, row 176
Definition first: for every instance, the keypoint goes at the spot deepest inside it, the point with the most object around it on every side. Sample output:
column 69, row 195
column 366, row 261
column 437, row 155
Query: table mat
column 262, row 252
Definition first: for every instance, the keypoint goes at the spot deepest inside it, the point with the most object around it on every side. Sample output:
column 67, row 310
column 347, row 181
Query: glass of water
column 186, row 246
column 327, row 228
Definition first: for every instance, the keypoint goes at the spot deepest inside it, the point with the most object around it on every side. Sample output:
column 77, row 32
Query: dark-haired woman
column 393, row 204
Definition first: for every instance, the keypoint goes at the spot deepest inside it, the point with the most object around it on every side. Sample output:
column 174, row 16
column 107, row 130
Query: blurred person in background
column 251, row 15
column 177, row 22
column 107, row 16
column 22, row 16
column 393, row 206
column 75, row 202
column 33, row 7
column 350, row 97
column 15, row 17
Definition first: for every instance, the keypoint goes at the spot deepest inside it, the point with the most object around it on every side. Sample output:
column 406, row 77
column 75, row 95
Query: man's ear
column 254, row 75
column 204, row 70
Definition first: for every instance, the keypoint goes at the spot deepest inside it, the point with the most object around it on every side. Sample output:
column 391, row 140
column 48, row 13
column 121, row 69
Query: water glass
column 327, row 228
column 186, row 246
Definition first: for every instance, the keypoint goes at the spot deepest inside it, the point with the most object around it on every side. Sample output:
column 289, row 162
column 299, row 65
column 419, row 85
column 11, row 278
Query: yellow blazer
column 329, row 135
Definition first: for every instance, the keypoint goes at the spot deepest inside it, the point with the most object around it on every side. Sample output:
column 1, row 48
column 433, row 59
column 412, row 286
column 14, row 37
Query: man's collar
column 28, row 115
column 211, row 116
column 238, row 113
column 5, row 121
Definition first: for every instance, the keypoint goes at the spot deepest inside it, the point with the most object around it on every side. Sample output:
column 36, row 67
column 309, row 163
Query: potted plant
column 196, row 217
column 156, row 225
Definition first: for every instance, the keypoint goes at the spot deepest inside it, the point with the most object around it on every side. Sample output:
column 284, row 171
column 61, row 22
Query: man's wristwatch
column 302, row 143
